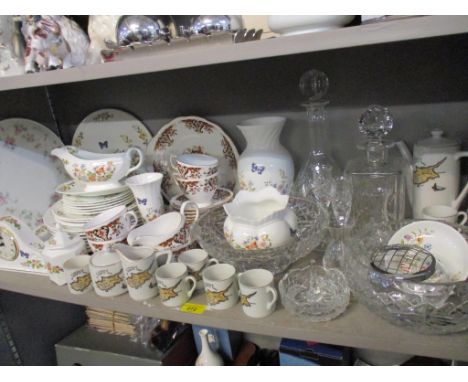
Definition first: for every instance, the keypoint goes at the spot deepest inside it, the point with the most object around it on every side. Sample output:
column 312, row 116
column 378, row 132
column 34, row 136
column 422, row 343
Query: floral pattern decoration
column 229, row 153
column 78, row 139
column 54, row 269
column 251, row 243
column 198, row 126
column 99, row 173
column 11, row 220
column 418, row 238
column 197, row 186
column 166, row 139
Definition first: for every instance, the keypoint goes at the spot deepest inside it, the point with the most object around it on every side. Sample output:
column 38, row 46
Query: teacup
column 146, row 189
column 111, row 224
column 194, row 166
column 201, row 190
column 97, row 246
column 444, row 213
column 221, row 288
column 78, row 275
column 107, row 274
column 196, row 260
column 174, row 284
column 257, row 294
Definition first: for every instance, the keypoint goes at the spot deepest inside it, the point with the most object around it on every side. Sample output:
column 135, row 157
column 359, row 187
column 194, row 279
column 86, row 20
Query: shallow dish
column 445, row 243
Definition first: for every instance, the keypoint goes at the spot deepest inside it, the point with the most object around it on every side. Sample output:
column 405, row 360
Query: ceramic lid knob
column 375, row 122
column 313, row 84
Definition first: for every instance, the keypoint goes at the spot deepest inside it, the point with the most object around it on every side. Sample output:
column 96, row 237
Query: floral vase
column 264, row 162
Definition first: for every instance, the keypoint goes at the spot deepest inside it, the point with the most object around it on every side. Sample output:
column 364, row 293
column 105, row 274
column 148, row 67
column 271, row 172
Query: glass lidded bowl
column 315, row 293
column 433, row 306
column 312, row 221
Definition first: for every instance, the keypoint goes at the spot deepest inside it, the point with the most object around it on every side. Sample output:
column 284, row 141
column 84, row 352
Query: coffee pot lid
column 438, row 141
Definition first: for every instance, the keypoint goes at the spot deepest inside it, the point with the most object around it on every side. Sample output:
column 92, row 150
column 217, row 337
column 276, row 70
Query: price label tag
column 193, row 308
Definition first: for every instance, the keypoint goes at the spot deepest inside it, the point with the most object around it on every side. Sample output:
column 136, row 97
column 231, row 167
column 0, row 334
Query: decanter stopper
column 313, row 85
column 375, row 122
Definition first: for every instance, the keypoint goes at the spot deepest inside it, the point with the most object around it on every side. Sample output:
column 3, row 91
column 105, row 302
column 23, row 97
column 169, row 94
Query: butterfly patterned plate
column 221, row 196
column 111, row 131
column 192, row 135
column 29, row 174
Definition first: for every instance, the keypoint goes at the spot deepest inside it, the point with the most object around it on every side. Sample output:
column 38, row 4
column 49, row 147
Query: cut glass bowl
column 315, row 293
column 312, row 221
column 434, row 306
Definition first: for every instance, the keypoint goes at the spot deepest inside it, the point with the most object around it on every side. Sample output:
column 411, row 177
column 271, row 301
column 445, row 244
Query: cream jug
column 436, row 173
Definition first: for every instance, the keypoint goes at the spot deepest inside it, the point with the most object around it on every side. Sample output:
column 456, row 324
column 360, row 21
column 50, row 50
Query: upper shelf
column 357, row 327
column 168, row 59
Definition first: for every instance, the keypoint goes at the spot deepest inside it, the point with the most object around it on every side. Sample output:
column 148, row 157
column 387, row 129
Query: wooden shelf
column 356, row 328
column 209, row 54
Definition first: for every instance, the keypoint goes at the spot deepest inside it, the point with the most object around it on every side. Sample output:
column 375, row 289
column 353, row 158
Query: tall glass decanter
column 316, row 174
column 378, row 183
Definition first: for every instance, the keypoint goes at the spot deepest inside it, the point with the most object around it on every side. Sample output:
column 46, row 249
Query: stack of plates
column 77, row 207
column 110, row 321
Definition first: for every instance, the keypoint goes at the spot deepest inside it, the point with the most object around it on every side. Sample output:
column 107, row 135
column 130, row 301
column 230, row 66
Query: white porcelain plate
column 221, row 196
column 446, row 244
column 29, row 174
column 110, row 131
column 192, row 135
column 78, row 189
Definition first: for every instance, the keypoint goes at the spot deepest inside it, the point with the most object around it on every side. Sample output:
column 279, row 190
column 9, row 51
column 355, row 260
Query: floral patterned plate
column 110, row 131
column 192, row 135
column 29, row 173
column 446, row 244
column 78, row 189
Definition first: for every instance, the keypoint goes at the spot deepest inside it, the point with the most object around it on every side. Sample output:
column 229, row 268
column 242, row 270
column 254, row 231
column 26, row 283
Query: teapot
column 436, row 173
column 259, row 220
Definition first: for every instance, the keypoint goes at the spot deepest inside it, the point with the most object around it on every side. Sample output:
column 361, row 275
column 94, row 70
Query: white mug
column 146, row 189
column 196, row 260
column 77, row 273
column 221, row 288
column 257, row 294
column 107, row 274
column 444, row 213
column 174, row 284
column 139, row 266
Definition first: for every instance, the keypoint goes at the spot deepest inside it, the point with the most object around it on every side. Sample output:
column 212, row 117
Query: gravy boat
column 97, row 171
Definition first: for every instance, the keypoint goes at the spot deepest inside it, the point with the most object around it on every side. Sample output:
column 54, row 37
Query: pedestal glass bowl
column 312, row 221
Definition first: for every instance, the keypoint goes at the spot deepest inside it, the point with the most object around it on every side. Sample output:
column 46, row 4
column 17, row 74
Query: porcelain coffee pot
column 436, row 173
column 259, row 220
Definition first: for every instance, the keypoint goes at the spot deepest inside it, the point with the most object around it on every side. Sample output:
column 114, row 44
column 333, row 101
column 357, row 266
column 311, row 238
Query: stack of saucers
column 77, row 207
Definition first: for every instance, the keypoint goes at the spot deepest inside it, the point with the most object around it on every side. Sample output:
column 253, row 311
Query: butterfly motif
column 142, row 201
column 103, row 145
column 24, row 254
column 257, row 169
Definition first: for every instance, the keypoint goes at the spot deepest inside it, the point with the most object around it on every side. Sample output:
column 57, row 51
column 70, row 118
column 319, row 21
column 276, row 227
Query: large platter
column 192, row 135
column 111, row 131
column 29, row 173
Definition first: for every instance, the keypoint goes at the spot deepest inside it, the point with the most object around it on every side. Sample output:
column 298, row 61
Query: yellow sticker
column 193, row 308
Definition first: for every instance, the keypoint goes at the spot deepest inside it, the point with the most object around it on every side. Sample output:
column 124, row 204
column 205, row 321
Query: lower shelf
column 357, row 327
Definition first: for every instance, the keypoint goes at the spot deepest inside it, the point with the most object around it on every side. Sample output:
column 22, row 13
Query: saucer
column 445, row 243
column 221, row 196
column 78, row 189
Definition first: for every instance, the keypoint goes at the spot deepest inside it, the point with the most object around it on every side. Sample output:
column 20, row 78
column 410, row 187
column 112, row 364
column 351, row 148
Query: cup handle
column 464, row 217
column 275, row 297
column 141, row 158
column 185, row 204
column 211, row 262
column 130, row 215
column 194, row 286
column 167, row 252
column 173, row 162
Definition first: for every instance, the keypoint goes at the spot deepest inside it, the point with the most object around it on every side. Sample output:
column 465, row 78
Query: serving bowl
column 312, row 221
column 433, row 306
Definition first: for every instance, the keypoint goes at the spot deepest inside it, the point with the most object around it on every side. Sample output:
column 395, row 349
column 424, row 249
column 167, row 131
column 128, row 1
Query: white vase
column 264, row 162
column 207, row 357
